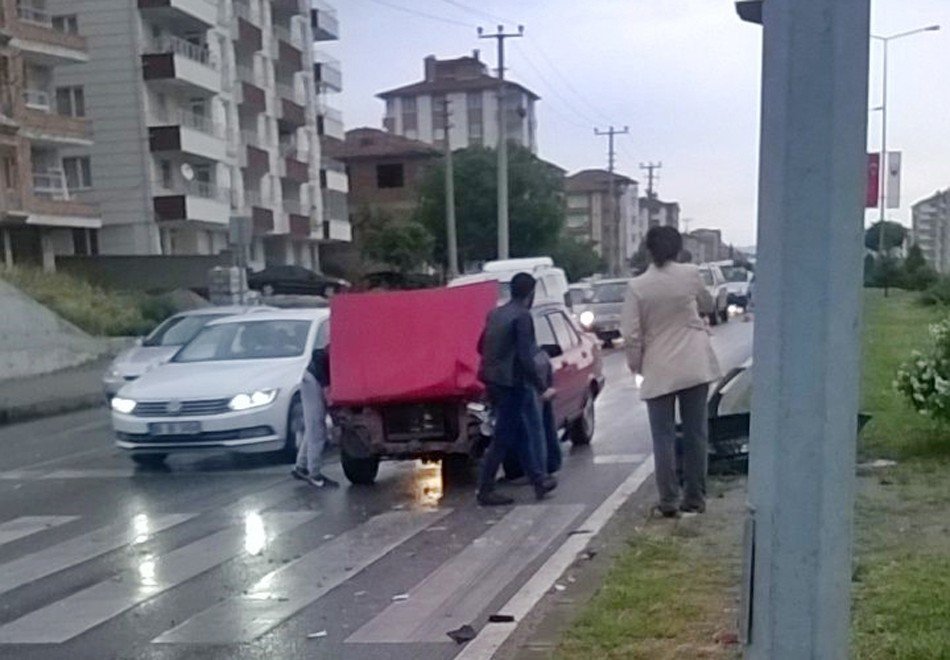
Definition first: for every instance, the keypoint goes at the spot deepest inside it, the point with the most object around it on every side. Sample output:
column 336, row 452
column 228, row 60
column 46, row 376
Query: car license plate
column 174, row 428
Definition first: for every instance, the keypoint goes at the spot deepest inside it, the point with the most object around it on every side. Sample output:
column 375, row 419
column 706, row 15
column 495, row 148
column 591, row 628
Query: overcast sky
column 683, row 75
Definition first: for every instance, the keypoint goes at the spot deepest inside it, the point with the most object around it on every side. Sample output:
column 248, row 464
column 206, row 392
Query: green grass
column 93, row 309
column 656, row 602
column 895, row 326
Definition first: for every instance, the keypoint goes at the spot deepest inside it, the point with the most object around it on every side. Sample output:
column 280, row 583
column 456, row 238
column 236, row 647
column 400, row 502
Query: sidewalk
column 53, row 394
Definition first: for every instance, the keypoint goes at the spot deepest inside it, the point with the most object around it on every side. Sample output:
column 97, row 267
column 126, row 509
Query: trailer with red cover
column 404, row 376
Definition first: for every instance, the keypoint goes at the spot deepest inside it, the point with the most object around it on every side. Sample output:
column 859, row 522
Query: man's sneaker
column 322, row 481
column 693, row 508
column 299, row 473
column 494, row 499
column 545, row 486
column 660, row 512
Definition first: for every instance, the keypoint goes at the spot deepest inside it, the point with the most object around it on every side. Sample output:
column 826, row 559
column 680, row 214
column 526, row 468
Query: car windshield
column 609, row 293
column 179, row 330
column 578, row 296
column 247, row 340
column 707, row 277
column 735, row 274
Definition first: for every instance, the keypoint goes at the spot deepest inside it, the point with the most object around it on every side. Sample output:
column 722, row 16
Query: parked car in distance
column 716, row 285
column 603, row 308
column 738, row 279
column 162, row 344
column 551, row 287
column 295, row 280
column 234, row 386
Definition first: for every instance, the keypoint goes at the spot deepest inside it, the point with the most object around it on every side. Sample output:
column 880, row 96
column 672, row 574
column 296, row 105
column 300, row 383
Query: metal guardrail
column 36, row 15
column 37, row 99
column 203, row 189
column 183, row 47
column 50, row 184
column 194, row 121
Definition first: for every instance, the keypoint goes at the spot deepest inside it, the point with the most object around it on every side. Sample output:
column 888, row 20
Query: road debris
column 461, row 635
column 400, row 597
column 501, row 618
column 317, row 635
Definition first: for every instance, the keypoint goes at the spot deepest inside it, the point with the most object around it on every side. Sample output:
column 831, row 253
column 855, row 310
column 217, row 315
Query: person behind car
column 309, row 464
column 508, row 347
column 539, row 414
column 668, row 344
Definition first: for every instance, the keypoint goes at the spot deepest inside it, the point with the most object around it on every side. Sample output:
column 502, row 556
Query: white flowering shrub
column 925, row 379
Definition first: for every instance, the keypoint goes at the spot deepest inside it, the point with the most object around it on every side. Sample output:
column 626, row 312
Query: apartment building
column 931, row 229
column 205, row 111
column 42, row 210
column 594, row 219
column 417, row 111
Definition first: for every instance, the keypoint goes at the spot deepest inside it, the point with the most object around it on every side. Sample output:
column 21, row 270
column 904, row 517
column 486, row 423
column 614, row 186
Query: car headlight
column 587, row 319
column 252, row 400
column 124, row 406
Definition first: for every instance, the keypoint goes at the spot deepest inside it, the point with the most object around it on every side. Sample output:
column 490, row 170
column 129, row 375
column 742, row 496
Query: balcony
column 295, row 170
column 250, row 94
column 333, row 176
column 262, row 217
column 247, row 36
column 180, row 64
column 181, row 15
column 188, row 133
column 337, row 230
column 330, row 125
column 256, row 159
column 299, row 226
column 40, row 42
column 291, row 7
column 288, row 49
column 327, row 73
column 193, row 201
column 53, row 204
column 323, row 21
column 43, row 126
column 291, row 115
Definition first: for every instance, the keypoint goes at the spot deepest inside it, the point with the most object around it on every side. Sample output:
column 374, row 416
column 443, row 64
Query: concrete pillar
column 48, row 250
column 808, row 299
column 7, row 248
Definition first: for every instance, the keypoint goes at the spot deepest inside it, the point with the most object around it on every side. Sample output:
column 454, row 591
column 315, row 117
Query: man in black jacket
column 310, row 453
column 508, row 347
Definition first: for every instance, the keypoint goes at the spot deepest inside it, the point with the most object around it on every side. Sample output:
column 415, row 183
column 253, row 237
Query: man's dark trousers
column 510, row 435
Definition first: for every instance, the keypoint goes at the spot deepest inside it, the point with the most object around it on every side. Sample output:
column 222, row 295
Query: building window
column 10, row 173
column 166, row 167
column 439, row 109
column 78, row 173
column 71, row 101
column 410, row 119
column 390, row 176
column 85, row 242
column 67, row 24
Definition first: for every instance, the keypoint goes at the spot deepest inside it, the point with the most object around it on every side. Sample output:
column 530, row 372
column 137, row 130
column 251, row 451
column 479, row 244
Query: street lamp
column 883, row 163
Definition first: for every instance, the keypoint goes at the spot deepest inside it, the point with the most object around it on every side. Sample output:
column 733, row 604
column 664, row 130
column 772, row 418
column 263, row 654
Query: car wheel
column 714, row 318
column 294, row 430
column 725, row 315
column 582, row 428
column 360, row 471
column 149, row 460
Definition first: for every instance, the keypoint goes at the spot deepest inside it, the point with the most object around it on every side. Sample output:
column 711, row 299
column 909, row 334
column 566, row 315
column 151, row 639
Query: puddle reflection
column 141, row 529
column 255, row 536
column 427, row 489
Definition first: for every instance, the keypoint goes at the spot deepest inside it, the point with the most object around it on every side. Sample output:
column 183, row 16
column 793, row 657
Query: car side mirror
column 553, row 350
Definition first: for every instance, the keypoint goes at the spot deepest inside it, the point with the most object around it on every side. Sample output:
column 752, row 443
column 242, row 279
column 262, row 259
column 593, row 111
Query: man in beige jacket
column 668, row 344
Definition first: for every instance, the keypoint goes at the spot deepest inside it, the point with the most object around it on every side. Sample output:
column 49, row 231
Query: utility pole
column 612, row 195
column 651, row 177
column 451, row 239
column 500, row 36
column 798, row 561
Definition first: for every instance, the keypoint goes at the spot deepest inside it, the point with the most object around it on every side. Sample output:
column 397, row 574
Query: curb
column 23, row 413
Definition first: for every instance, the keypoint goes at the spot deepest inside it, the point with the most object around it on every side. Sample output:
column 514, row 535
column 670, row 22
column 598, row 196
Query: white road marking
column 130, row 472
column 24, row 526
column 284, row 592
column 74, row 615
column 614, row 459
column 77, row 550
column 493, row 635
column 459, row 590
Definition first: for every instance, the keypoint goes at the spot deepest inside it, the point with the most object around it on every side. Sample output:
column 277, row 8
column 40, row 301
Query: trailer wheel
column 360, row 471
column 582, row 429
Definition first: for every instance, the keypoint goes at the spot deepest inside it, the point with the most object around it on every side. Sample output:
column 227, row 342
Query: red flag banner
column 872, row 196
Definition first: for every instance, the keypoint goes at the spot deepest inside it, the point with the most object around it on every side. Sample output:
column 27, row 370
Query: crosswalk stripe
column 77, row 550
column 130, row 471
column 459, row 590
column 24, row 526
column 287, row 590
column 74, row 615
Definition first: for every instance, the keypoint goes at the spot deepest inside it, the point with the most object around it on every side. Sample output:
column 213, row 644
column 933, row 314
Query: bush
column 925, row 379
column 938, row 293
column 91, row 308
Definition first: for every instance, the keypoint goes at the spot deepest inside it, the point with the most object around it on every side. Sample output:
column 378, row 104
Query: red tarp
column 407, row 346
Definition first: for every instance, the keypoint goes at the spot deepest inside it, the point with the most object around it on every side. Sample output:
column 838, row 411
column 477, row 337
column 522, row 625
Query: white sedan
column 235, row 387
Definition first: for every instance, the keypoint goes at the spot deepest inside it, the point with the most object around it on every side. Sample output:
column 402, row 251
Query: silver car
column 162, row 344
column 603, row 309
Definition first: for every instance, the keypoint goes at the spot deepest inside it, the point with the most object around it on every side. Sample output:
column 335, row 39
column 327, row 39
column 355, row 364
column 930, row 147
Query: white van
column 552, row 281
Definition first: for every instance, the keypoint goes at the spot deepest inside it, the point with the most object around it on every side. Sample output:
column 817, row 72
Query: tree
column 403, row 245
column 578, row 260
column 918, row 274
column 536, row 209
column 894, row 235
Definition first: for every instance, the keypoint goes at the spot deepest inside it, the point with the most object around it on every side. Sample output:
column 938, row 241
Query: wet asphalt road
column 227, row 557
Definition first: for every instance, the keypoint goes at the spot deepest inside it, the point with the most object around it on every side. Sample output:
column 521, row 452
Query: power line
column 553, row 88
column 568, row 83
column 422, row 14
column 478, row 12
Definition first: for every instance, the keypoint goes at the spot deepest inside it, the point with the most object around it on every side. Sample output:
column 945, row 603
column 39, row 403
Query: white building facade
column 206, row 110
column 931, row 229
column 591, row 218
column 417, row 111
